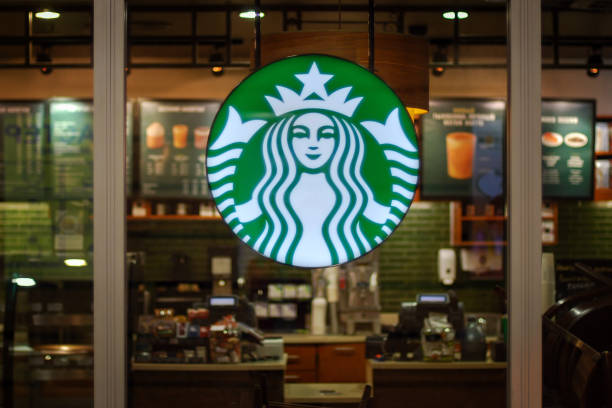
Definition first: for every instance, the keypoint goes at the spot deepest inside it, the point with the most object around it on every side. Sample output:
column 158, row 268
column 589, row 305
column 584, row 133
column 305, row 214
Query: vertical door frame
column 524, row 204
column 110, row 300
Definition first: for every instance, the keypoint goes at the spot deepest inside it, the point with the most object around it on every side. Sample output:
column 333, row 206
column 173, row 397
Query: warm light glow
column 416, row 112
column 251, row 14
column 25, row 282
column 75, row 262
column 47, row 14
column 594, row 71
column 217, row 69
column 450, row 15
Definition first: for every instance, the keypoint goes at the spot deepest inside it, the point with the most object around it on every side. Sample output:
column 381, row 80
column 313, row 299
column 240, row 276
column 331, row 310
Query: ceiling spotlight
column 47, row 14
column 216, row 59
column 217, row 70
column 439, row 60
column 23, row 281
column 76, row 262
column 251, row 14
column 594, row 63
column 451, row 15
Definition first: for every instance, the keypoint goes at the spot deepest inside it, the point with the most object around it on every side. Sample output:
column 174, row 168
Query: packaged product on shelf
column 225, row 341
column 602, row 174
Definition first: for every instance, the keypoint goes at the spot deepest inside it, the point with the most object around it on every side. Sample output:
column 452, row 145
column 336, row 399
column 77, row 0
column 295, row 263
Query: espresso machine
column 359, row 295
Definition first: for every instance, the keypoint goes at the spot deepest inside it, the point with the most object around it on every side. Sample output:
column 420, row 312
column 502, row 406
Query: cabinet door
column 302, row 357
column 303, row 376
column 342, row 363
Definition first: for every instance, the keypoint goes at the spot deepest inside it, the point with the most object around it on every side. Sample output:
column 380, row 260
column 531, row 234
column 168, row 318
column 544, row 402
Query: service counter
column 297, row 338
column 223, row 385
column 437, row 384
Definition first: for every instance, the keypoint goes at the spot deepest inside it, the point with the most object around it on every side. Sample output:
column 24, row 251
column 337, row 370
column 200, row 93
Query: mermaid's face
column 313, row 138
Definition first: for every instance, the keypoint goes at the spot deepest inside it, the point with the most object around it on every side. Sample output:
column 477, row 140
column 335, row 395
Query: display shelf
column 493, row 227
column 603, row 194
column 603, row 155
column 483, row 218
column 174, row 218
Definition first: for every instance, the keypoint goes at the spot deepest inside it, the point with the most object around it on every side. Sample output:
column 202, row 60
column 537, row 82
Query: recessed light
column 47, row 14
column 450, row 15
column 75, row 262
column 25, row 282
column 251, row 14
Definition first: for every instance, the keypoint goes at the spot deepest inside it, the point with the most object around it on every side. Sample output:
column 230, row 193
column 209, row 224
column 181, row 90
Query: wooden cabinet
column 301, row 357
column 603, row 188
column 341, row 363
column 487, row 226
column 338, row 362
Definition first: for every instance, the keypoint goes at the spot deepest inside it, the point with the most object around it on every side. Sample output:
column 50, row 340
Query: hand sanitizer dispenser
column 447, row 266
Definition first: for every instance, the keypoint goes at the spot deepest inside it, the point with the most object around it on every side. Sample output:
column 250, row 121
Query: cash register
column 403, row 341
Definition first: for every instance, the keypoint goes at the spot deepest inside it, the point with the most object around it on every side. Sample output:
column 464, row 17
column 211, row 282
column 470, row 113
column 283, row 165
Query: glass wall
column 576, row 270
column 433, row 293
column 46, row 121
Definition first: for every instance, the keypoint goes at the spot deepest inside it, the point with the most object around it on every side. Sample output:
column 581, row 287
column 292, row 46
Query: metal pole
column 110, row 297
column 524, row 169
column 371, row 35
column 257, row 34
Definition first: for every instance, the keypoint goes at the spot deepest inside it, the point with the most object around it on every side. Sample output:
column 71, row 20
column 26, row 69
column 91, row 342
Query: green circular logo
column 312, row 161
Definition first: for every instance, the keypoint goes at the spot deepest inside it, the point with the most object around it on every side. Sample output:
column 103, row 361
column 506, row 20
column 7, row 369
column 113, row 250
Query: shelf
column 603, row 155
column 173, row 218
column 603, row 194
column 482, row 243
column 483, row 218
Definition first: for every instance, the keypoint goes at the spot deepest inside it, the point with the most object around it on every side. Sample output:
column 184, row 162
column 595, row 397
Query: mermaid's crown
column 314, row 83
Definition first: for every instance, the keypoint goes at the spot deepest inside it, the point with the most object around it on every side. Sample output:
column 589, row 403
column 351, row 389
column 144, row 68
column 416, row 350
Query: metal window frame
column 110, row 301
column 524, row 169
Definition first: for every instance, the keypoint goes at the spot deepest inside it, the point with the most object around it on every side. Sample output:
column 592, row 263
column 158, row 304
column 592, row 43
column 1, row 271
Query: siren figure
column 312, row 202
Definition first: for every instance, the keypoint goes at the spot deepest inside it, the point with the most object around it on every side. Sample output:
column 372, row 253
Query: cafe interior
column 419, row 317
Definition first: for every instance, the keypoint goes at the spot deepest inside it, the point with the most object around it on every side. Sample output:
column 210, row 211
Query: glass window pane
column 576, row 261
column 433, row 292
column 46, row 191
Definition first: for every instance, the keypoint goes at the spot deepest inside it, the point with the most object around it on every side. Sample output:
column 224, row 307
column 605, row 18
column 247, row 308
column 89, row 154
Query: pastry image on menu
column 179, row 136
column 155, row 135
column 200, row 137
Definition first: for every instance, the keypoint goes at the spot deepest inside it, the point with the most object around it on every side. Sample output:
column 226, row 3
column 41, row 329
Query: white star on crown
column 314, row 83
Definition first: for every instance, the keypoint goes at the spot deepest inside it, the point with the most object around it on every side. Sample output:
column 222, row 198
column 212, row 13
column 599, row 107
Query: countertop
column 326, row 393
column 295, row 338
column 267, row 365
column 426, row 365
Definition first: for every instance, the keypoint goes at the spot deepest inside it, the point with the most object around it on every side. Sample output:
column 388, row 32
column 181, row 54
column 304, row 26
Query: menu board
column 570, row 281
column 71, row 135
column 567, row 149
column 25, row 228
column 463, row 149
column 173, row 138
column 70, row 224
column 22, row 163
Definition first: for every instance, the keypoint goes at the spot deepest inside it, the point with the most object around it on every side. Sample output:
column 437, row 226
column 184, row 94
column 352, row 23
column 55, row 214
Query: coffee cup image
column 460, row 148
column 179, row 136
column 200, row 137
column 155, row 135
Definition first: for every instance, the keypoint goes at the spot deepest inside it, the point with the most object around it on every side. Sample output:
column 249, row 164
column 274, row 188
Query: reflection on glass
column 46, row 215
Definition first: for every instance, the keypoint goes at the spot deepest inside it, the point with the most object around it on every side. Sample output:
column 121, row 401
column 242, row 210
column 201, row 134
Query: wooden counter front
column 434, row 385
column 209, row 385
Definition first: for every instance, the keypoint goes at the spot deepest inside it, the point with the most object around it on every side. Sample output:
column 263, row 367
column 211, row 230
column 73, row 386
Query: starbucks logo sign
column 312, row 161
